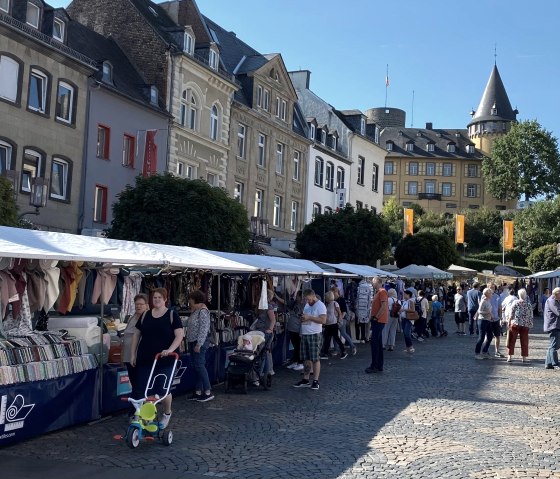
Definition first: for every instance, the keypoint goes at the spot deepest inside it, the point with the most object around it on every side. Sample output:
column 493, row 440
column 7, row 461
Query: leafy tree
column 168, row 210
column 537, row 225
column 347, row 236
column 436, row 223
column 483, row 228
column 525, row 162
column 392, row 211
column 426, row 248
column 544, row 258
column 8, row 206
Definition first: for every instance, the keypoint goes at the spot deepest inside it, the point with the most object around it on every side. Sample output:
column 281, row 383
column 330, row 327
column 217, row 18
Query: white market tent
column 361, row 270
column 545, row 274
column 414, row 271
column 441, row 274
column 457, row 270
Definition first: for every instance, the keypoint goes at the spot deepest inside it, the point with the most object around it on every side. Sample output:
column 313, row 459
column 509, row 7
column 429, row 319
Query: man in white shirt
column 312, row 320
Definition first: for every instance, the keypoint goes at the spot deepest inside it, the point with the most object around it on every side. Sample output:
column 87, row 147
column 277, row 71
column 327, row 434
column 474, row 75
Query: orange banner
column 508, row 235
column 408, row 221
column 459, row 229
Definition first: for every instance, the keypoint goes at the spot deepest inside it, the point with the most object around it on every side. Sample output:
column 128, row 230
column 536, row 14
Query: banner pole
column 503, row 242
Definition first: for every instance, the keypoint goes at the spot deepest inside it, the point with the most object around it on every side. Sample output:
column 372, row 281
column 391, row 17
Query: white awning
column 361, row 270
column 414, row 271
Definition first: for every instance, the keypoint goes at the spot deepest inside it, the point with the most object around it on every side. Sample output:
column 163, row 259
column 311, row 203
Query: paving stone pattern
column 438, row 413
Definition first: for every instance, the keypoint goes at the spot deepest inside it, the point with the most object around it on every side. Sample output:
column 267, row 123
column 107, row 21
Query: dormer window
column 431, row 147
column 470, row 148
column 59, row 29
column 5, row 5
column 188, row 43
column 494, row 110
column 334, row 142
column 418, row 133
column 154, row 94
column 107, row 73
column 323, row 136
column 376, row 135
column 389, row 146
column 213, row 59
column 312, row 131
column 451, row 148
column 410, row 146
column 363, row 126
column 33, row 15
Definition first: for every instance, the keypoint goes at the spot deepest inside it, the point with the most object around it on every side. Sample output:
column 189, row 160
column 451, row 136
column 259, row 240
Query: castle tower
column 494, row 114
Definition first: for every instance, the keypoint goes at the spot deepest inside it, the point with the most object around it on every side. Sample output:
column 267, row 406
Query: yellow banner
column 408, row 221
column 459, row 229
column 508, row 235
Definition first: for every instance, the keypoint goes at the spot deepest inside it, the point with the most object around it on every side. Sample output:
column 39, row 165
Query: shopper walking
column 330, row 332
column 294, row 327
column 552, row 327
column 390, row 329
column 484, row 319
column 460, row 311
column 473, row 298
column 406, row 324
column 379, row 316
column 343, row 325
column 520, row 323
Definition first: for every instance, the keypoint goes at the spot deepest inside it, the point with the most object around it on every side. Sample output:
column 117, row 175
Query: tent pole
column 102, row 314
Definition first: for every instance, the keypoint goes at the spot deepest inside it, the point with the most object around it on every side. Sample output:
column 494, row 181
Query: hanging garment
column 131, row 288
column 36, row 289
column 8, row 292
column 52, row 276
column 17, row 271
column 104, row 285
column 363, row 301
column 20, row 324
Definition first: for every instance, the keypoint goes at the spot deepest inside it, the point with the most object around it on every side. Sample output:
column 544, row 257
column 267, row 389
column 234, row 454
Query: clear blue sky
column 441, row 49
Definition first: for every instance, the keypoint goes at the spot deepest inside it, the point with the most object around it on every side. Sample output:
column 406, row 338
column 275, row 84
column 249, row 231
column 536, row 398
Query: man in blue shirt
column 473, row 297
column 552, row 327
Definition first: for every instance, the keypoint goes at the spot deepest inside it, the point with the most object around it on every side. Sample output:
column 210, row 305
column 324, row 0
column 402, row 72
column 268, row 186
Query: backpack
column 418, row 307
column 395, row 308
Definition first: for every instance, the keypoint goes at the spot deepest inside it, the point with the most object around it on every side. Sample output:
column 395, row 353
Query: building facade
column 43, row 110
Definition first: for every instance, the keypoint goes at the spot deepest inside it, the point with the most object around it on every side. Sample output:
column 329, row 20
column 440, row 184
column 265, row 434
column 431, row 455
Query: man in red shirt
column 379, row 316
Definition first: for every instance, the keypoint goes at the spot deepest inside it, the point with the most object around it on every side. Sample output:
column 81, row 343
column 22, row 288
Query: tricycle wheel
column 167, row 438
column 133, row 438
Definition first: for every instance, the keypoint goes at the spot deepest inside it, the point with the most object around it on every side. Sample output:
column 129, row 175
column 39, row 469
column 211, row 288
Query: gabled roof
column 494, row 98
column 160, row 21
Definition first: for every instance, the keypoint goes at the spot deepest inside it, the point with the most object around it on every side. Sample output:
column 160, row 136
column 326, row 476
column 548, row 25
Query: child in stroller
column 246, row 363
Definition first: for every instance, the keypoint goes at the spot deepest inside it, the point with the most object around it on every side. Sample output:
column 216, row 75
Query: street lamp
column 38, row 196
column 465, row 249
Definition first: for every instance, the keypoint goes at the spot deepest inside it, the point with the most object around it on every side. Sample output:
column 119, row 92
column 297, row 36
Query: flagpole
column 503, row 242
column 386, row 84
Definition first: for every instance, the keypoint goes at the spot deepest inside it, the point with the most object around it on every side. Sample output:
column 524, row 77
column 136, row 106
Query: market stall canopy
column 545, row 274
column 274, row 264
column 440, row 273
column 361, row 270
column 414, row 271
column 457, row 270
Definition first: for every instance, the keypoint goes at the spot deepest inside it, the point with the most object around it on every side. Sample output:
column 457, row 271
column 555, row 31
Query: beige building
column 43, row 106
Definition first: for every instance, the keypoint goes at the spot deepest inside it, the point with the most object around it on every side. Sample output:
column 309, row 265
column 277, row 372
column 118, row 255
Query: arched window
column 316, row 209
column 107, row 72
column 339, row 178
column 214, row 123
column 319, row 171
column 329, row 179
column 189, row 113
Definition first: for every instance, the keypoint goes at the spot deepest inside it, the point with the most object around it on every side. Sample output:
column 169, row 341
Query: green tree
column 392, row 211
column 537, row 225
column 525, row 162
column 348, row 236
column 543, row 258
column 483, row 228
column 426, row 248
column 8, row 206
column 169, row 210
column 436, row 223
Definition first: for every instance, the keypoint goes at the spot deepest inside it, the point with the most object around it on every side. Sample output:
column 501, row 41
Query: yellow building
column 441, row 169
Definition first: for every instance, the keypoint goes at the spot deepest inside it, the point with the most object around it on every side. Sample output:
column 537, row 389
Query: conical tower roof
column 494, row 104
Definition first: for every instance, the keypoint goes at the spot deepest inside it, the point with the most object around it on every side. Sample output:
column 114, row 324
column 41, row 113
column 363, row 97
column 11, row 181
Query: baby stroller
column 245, row 366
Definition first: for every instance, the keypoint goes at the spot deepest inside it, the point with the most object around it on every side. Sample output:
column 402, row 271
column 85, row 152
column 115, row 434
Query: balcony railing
column 429, row 196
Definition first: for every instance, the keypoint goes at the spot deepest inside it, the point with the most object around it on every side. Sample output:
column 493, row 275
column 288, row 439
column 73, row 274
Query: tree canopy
column 524, row 162
column 537, row 225
column 348, row 236
column 543, row 258
column 8, row 206
column 426, row 248
column 483, row 228
column 169, row 210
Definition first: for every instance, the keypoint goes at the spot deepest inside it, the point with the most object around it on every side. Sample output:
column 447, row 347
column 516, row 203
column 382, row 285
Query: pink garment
column 104, row 285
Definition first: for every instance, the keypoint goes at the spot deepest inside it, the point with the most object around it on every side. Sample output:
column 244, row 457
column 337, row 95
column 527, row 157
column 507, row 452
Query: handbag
column 412, row 315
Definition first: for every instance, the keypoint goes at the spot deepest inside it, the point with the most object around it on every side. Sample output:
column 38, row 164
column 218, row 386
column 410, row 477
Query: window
column 363, row 126
column 211, row 179
column 258, row 210
column 376, row 135
column 213, row 59
column 5, row 5
column 32, row 166
column 296, row 170
column 64, row 102
column 5, row 156
column 283, row 108
column 472, row 171
column 9, row 78
column 59, row 179
column 471, row 191
column 294, row 217
column 430, row 186
column 361, row 169
column 33, row 14
column 389, row 168
column 189, row 109
column 241, row 131
column 280, row 158
column 107, row 73
column 103, row 142
column 375, row 178
column 323, row 136
column 188, row 43
column 446, row 189
column 59, row 28
column 447, row 169
column 451, row 148
column 316, row 209
column 474, row 207
column 329, row 176
column 450, row 205
column 340, row 178
column 277, row 213
column 100, row 205
column 238, row 193
column 38, row 88
column 327, row 210
column 190, row 172
column 129, row 151
column 259, row 96
column 430, row 169
column 413, row 168
column 412, row 188
column 387, row 187
column 389, row 146
column 214, row 123
column 266, row 100
column 185, row 170
column 261, row 156
column 277, row 110
column 431, row 147
column 470, row 148
column 410, row 146
column 180, row 168
column 334, row 142
column 319, row 171
column 312, row 131
column 154, row 94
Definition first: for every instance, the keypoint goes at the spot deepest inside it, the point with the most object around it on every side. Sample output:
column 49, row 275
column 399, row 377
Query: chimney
column 429, row 125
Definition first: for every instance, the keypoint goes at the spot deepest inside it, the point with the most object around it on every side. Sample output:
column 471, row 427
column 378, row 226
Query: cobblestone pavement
column 436, row 414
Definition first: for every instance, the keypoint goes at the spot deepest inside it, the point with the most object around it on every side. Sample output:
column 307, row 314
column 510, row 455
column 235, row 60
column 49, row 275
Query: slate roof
column 126, row 79
column 161, row 22
column 494, row 96
column 439, row 137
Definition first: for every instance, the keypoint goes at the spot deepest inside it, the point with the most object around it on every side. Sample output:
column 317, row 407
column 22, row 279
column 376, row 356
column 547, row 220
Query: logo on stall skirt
column 13, row 416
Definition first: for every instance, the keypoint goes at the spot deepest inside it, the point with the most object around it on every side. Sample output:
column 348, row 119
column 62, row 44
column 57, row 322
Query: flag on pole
column 150, row 154
column 508, row 235
column 408, row 221
column 459, row 229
